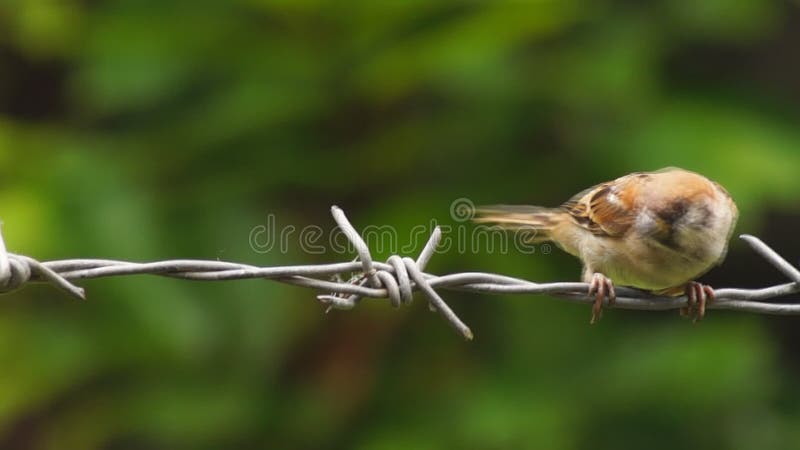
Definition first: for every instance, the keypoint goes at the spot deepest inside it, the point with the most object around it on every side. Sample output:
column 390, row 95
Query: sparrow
column 655, row 231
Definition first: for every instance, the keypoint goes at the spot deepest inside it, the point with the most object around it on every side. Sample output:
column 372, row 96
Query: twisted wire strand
column 396, row 279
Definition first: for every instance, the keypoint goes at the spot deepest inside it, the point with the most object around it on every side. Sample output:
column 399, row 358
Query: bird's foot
column 601, row 287
column 698, row 296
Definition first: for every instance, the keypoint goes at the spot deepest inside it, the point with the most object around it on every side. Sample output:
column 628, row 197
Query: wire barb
column 396, row 279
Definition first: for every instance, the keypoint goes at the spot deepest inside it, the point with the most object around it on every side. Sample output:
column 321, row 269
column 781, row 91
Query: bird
column 655, row 231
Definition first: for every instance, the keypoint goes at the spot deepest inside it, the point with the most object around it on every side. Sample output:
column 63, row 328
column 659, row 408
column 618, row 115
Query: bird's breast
column 665, row 247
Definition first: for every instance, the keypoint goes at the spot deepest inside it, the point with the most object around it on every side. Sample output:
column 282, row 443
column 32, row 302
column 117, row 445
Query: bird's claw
column 601, row 287
column 698, row 296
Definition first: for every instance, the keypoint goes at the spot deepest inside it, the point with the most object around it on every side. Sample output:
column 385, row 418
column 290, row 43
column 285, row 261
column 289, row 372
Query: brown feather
column 607, row 209
column 540, row 222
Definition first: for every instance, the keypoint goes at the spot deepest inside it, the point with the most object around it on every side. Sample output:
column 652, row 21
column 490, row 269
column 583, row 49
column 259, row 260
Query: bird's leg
column 600, row 287
column 697, row 295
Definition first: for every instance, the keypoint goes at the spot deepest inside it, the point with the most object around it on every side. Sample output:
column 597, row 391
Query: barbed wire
column 396, row 279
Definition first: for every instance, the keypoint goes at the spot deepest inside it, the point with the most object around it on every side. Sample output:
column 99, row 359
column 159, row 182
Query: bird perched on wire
column 656, row 231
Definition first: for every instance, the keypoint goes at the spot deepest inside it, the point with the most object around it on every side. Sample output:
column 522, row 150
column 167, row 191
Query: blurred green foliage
column 161, row 129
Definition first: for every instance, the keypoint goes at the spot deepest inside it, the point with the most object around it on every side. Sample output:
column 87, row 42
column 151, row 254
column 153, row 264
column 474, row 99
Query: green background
column 149, row 130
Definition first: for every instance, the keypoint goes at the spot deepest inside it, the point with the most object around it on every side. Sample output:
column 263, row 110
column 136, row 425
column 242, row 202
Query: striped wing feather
column 607, row 209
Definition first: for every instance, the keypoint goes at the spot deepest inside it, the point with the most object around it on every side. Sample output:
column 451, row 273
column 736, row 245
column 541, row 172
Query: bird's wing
column 608, row 209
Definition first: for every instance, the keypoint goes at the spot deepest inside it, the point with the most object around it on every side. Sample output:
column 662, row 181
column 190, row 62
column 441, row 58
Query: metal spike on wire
column 395, row 280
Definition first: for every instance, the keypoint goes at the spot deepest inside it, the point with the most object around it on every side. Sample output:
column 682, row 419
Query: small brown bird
column 655, row 231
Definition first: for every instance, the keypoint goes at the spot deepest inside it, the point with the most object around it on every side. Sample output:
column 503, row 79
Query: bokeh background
column 147, row 130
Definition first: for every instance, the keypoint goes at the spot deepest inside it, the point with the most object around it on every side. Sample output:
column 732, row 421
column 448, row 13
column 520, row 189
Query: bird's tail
column 537, row 221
